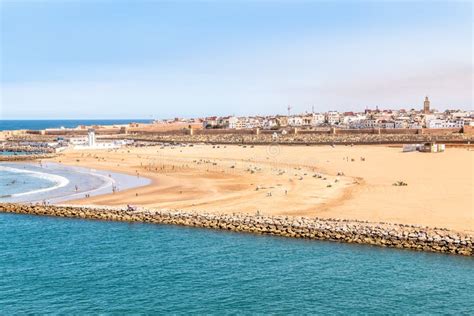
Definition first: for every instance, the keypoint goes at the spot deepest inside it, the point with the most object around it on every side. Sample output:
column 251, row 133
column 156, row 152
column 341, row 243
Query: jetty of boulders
column 340, row 230
column 26, row 157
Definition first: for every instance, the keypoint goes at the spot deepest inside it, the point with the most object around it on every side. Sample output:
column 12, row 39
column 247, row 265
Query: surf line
column 59, row 181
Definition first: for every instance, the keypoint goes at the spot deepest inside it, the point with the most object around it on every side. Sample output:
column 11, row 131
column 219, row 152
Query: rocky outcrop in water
column 379, row 234
column 28, row 157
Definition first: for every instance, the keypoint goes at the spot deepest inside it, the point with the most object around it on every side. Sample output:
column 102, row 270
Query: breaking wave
column 58, row 181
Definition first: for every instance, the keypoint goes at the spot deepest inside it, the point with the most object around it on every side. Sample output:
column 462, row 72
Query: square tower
column 426, row 106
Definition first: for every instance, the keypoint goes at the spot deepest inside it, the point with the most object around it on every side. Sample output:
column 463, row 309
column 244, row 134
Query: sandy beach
column 324, row 181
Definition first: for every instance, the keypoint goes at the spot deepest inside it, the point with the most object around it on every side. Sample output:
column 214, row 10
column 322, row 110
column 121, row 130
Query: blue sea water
column 71, row 266
column 43, row 124
column 15, row 153
column 14, row 182
column 53, row 183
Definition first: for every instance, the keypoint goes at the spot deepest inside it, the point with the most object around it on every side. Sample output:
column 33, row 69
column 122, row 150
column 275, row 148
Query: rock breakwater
column 378, row 234
column 28, row 157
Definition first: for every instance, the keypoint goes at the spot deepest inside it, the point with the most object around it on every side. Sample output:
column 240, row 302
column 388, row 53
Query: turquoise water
column 14, row 182
column 70, row 266
column 15, row 153
column 53, row 183
column 43, row 124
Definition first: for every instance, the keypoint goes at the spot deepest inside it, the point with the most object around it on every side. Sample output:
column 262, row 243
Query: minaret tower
column 426, row 106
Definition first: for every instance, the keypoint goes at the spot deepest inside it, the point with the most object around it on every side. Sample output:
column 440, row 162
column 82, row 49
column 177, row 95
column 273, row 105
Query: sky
column 163, row 59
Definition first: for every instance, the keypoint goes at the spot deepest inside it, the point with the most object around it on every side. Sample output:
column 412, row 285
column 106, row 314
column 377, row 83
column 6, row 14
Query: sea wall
column 24, row 146
column 302, row 138
column 378, row 234
column 80, row 132
column 264, row 137
column 25, row 157
column 298, row 130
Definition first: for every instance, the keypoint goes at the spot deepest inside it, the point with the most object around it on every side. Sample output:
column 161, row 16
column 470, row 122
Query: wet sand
column 297, row 180
column 63, row 182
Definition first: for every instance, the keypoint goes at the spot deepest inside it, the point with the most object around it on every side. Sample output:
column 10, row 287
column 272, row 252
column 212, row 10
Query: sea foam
column 58, row 181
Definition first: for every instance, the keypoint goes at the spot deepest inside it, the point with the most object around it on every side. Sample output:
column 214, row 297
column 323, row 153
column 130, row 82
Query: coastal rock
column 380, row 234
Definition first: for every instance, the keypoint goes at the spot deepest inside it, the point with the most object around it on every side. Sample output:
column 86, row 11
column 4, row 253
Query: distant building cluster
column 369, row 119
column 384, row 119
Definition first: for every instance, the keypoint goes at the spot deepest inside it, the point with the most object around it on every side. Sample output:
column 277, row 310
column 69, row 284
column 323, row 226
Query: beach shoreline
column 295, row 181
column 65, row 182
column 347, row 182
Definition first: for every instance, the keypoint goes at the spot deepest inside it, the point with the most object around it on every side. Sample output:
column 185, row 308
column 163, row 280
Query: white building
column 295, row 121
column 253, row 122
column 233, row 122
column 90, row 142
column 438, row 123
column 353, row 120
column 318, row 119
column 91, row 137
column 460, row 114
column 401, row 123
column 209, row 122
column 78, row 141
column 307, row 119
column 415, row 125
column 365, row 123
column 269, row 123
column 333, row 117
column 386, row 124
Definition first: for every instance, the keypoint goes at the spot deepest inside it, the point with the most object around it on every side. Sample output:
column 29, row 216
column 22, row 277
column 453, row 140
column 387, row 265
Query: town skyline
column 282, row 111
column 426, row 117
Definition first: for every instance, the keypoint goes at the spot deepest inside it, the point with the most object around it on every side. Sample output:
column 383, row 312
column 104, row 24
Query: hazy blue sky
column 119, row 59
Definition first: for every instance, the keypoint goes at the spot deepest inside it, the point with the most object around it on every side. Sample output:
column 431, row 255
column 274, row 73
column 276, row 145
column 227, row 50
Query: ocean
column 6, row 125
column 71, row 266
column 18, row 181
column 53, row 183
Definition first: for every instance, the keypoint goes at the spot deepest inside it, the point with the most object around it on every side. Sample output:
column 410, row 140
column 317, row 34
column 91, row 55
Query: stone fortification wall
column 304, row 138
